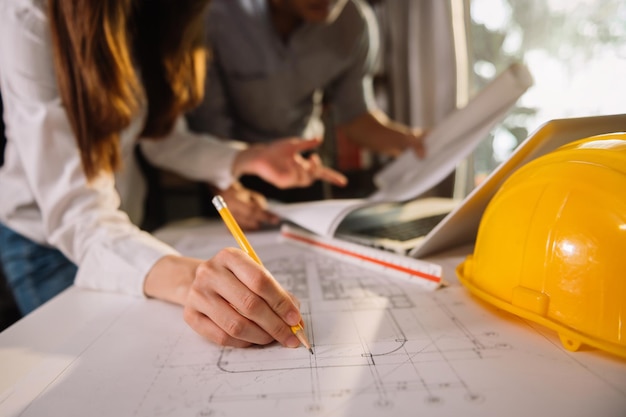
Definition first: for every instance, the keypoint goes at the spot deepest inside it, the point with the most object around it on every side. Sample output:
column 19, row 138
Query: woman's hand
column 230, row 299
column 248, row 207
column 282, row 164
column 233, row 301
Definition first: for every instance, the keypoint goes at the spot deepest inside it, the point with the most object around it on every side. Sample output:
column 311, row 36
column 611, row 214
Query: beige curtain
column 418, row 59
column 421, row 74
column 423, row 63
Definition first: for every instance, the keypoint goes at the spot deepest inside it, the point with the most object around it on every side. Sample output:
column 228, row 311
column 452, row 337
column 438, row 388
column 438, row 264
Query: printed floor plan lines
column 382, row 341
column 382, row 347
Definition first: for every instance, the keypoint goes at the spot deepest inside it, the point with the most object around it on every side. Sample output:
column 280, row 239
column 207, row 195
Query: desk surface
column 382, row 347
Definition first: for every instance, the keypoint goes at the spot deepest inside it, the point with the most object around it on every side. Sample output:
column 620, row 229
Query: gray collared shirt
column 260, row 88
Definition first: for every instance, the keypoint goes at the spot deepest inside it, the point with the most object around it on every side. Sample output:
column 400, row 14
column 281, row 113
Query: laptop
column 424, row 226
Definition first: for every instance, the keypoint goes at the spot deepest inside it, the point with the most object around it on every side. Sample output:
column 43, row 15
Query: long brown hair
column 107, row 50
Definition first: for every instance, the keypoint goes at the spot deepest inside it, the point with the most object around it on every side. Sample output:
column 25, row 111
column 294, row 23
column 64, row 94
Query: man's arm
column 374, row 130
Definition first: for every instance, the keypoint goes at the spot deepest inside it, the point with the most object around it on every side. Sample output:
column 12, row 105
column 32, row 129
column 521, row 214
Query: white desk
column 381, row 348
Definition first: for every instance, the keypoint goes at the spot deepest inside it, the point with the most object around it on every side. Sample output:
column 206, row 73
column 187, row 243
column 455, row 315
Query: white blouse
column 44, row 194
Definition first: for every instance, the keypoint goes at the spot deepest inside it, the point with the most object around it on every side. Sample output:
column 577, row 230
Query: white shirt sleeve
column 195, row 156
column 45, row 194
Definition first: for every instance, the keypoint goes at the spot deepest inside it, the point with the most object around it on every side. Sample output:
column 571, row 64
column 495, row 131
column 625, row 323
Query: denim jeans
column 35, row 273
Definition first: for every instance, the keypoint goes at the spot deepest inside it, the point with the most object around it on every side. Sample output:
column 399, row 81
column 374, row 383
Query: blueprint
column 383, row 347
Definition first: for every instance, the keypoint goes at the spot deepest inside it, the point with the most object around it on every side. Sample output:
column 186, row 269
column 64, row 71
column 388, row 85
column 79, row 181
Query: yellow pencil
column 243, row 243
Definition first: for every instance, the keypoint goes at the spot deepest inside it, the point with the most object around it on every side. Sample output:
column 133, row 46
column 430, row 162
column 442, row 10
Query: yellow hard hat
column 551, row 245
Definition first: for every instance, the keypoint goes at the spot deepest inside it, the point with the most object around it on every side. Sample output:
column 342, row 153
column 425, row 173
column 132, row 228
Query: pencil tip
column 311, row 350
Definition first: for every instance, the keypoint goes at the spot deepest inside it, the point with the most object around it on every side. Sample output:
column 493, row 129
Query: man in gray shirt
column 276, row 61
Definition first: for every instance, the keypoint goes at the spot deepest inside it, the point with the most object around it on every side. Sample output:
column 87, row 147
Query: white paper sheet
column 453, row 139
column 321, row 217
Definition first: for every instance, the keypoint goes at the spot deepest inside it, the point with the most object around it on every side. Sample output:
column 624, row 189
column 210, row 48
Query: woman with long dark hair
column 83, row 82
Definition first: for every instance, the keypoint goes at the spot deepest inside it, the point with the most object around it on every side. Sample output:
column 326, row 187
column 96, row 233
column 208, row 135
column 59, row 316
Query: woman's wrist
column 244, row 161
column 170, row 278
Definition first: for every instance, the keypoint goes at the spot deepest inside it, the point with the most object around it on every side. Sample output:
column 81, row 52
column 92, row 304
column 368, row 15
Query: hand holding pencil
column 232, row 300
column 296, row 327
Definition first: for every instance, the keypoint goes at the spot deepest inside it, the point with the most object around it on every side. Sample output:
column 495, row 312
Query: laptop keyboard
column 403, row 231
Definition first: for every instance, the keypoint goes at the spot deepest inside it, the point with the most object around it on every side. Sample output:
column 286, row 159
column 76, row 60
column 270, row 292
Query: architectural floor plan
column 381, row 348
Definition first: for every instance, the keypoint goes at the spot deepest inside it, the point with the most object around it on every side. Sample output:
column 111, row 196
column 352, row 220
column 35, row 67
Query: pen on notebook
column 243, row 243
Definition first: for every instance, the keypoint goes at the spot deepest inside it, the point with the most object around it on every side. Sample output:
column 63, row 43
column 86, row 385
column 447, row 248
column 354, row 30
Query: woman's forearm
column 171, row 278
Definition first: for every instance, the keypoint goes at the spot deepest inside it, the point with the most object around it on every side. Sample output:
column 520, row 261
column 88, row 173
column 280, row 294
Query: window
column 575, row 50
